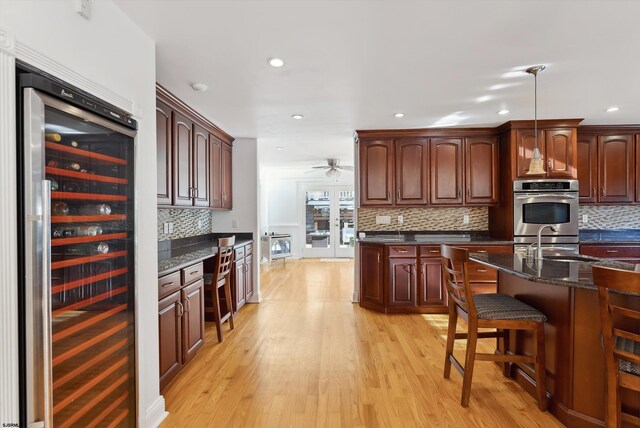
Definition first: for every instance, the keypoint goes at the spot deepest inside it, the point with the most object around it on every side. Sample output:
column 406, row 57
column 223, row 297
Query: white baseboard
column 155, row 414
column 356, row 297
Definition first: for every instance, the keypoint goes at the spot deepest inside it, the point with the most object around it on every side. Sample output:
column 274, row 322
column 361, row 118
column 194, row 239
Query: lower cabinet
column 619, row 252
column 408, row 278
column 180, row 319
column 242, row 275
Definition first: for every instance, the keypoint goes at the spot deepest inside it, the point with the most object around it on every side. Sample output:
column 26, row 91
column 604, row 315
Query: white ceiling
column 353, row 64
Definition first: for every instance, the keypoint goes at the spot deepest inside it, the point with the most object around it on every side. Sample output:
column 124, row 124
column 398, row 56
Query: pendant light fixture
column 536, row 167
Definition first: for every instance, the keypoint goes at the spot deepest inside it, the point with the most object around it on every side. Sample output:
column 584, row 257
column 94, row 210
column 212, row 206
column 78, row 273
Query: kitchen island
column 564, row 291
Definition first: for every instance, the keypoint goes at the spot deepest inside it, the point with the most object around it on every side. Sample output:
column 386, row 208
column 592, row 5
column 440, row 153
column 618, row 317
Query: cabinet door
column 182, row 160
column 371, row 277
column 193, row 319
column 163, row 152
column 412, row 163
column 637, row 167
column 240, row 281
column 561, row 158
column 615, row 168
column 215, row 145
column 248, row 270
column 376, row 172
column 170, row 312
column 587, row 166
column 201, row 167
column 446, row 171
column 431, row 290
column 402, row 283
column 226, row 174
column 525, row 142
column 481, row 170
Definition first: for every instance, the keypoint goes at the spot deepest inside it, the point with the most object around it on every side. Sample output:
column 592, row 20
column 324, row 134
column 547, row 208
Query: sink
column 567, row 258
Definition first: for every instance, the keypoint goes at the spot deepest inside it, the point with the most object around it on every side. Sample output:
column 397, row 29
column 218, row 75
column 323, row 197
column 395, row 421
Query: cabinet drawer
column 168, row 284
column 239, row 253
column 248, row 249
column 402, row 251
column 481, row 273
column 502, row 249
column 611, row 251
column 192, row 273
column 430, row 251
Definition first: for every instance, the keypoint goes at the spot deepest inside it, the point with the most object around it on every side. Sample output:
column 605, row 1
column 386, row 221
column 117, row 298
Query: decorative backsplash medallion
column 423, row 219
column 610, row 217
column 186, row 223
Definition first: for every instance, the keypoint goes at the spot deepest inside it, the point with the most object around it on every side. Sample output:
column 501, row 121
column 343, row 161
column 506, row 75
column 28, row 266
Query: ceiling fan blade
column 346, row 168
column 309, row 172
column 320, row 167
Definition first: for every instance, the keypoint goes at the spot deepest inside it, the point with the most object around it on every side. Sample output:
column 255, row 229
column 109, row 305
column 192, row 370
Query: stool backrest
column 620, row 313
column 224, row 257
column 456, row 278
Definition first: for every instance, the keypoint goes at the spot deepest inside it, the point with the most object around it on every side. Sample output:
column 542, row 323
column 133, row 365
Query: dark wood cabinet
column 193, row 319
column 481, row 170
column 170, row 311
column 201, row 167
column 556, row 147
column 216, row 171
column 242, row 275
column 376, row 172
column 240, row 282
column 411, row 170
column 371, row 276
column 431, row 288
column 163, row 152
column 446, row 171
column 226, row 176
column 524, row 145
column 587, row 166
column 637, row 167
column 402, row 283
column 182, row 160
column 248, row 273
column 620, row 252
column 615, row 168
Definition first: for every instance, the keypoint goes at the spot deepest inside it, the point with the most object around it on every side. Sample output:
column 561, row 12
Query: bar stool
column 621, row 338
column 221, row 279
column 498, row 311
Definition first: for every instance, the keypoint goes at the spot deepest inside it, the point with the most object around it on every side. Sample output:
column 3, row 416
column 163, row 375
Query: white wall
column 111, row 57
column 244, row 217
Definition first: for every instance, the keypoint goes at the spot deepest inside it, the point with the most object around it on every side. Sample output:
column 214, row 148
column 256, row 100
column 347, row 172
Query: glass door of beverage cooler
column 79, row 285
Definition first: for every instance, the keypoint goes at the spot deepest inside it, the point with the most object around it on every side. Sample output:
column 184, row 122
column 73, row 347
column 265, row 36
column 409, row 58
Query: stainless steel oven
column 543, row 201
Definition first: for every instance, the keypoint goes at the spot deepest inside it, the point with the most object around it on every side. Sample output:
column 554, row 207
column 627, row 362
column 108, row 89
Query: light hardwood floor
column 306, row 356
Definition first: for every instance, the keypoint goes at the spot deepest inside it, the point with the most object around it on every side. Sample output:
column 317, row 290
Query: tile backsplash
column 186, row 223
column 610, row 217
column 425, row 219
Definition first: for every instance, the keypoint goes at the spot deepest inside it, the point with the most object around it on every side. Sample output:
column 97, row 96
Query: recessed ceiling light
column 483, row 98
column 612, row 109
column 297, row 116
column 503, row 111
column 199, row 87
column 398, row 115
column 276, row 62
column 279, row 148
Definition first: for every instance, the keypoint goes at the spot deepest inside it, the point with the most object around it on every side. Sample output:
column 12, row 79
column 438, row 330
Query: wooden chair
column 499, row 311
column 221, row 279
column 621, row 338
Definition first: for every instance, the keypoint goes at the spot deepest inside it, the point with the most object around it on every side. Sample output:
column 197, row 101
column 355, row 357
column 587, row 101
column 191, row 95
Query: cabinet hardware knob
column 434, row 251
column 482, row 251
column 194, row 272
column 378, row 257
column 398, row 194
column 594, row 191
column 167, row 284
column 612, row 251
column 400, row 250
column 197, row 193
column 468, row 193
column 180, row 309
column 603, row 190
column 459, row 193
column 389, row 194
column 481, row 270
column 188, row 304
column 550, row 163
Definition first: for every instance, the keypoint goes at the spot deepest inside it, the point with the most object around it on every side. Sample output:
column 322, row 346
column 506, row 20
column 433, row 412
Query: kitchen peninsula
column 564, row 291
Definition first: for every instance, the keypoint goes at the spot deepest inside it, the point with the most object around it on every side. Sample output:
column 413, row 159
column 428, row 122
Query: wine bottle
column 74, row 166
column 88, row 230
column 89, row 249
column 53, row 137
column 60, row 208
column 99, row 209
column 70, row 186
column 54, row 184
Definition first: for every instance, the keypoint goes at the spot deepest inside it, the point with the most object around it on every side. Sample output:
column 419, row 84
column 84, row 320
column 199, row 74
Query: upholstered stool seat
column 503, row 307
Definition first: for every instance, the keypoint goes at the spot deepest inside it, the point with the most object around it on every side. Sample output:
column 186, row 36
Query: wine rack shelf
column 82, row 239
column 87, row 259
column 88, row 280
column 90, row 301
column 86, row 341
column 85, row 321
column 87, row 196
column 87, row 218
column 84, row 153
column 84, row 175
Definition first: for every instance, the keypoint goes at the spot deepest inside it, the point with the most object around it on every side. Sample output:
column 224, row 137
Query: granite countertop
column 620, row 236
column 177, row 258
column 432, row 238
column 575, row 274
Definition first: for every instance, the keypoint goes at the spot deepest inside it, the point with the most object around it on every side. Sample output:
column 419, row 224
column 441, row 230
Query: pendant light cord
column 535, row 109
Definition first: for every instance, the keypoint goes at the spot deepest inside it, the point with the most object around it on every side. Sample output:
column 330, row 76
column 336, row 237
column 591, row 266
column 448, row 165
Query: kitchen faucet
column 539, row 242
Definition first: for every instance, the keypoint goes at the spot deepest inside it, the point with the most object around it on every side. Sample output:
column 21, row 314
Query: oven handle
column 545, row 195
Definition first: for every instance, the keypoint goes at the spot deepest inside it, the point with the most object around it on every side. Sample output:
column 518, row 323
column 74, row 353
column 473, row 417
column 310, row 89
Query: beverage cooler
column 77, row 290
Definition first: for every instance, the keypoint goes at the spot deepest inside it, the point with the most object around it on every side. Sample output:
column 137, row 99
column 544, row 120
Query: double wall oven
column 540, row 202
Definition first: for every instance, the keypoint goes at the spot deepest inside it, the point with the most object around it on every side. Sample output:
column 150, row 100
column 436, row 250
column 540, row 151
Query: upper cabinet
column 419, row 170
column 606, row 165
column 557, row 147
column 193, row 157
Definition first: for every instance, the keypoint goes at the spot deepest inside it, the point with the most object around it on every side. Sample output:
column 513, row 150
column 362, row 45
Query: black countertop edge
column 432, row 238
column 573, row 274
column 618, row 236
column 175, row 259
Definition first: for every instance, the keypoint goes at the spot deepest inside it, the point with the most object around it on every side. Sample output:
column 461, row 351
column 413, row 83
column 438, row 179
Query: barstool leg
column 451, row 337
column 216, row 312
column 227, row 296
column 541, row 375
column 472, row 340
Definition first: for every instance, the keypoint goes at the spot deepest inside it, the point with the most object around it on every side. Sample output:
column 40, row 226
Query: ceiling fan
column 333, row 168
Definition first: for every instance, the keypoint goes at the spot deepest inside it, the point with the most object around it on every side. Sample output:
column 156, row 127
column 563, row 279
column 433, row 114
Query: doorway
column 329, row 220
